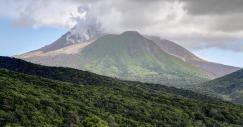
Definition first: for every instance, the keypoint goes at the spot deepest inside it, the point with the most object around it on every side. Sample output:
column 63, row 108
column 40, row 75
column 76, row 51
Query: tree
column 94, row 121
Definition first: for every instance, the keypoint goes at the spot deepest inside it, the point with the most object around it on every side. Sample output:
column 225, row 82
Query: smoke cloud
column 195, row 24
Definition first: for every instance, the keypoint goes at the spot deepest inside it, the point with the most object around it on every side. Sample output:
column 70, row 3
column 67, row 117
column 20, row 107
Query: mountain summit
column 129, row 56
column 74, row 36
column 78, row 34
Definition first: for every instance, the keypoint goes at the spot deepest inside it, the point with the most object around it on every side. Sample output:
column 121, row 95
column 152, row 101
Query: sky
column 212, row 29
column 17, row 40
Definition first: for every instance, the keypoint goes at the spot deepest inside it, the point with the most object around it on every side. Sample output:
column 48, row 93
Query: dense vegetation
column 56, row 73
column 32, row 100
column 229, row 87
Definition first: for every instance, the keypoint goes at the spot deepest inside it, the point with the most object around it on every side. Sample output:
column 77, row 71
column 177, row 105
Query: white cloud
column 38, row 13
column 193, row 24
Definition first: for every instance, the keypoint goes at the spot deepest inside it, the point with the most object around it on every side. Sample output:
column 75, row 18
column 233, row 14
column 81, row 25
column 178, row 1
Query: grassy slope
column 229, row 87
column 132, row 57
column 35, row 101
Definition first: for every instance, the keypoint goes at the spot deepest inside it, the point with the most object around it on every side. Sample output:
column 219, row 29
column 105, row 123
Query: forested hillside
column 34, row 99
column 229, row 87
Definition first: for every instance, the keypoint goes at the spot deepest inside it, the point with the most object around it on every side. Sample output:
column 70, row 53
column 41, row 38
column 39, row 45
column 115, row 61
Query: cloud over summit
column 195, row 24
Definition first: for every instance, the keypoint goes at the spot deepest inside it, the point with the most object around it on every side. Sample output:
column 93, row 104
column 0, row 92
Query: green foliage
column 229, row 87
column 94, row 121
column 39, row 97
column 55, row 73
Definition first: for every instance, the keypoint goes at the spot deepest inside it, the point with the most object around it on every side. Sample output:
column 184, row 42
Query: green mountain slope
column 229, row 87
column 130, row 56
column 213, row 70
column 30, row 100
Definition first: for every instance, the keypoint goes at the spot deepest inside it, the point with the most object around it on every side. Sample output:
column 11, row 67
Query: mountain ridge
column 72, row 56
column 228, row 87
column 128, row 56
column 213, row 70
